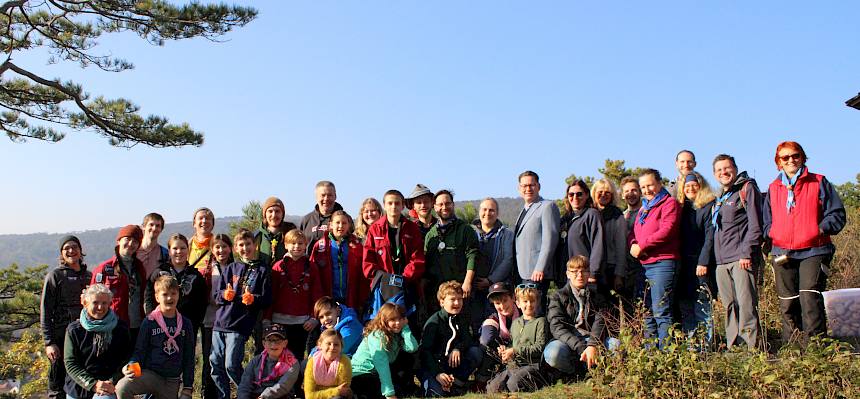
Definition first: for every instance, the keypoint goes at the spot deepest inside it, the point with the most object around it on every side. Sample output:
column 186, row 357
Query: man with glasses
column 536, row 235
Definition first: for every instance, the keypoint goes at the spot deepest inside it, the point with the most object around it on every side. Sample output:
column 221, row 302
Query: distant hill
column 43, row 248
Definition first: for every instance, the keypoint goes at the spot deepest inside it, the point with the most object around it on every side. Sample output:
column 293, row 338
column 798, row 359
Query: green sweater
column 448, row 256
column 529, row 339
column 372, row 356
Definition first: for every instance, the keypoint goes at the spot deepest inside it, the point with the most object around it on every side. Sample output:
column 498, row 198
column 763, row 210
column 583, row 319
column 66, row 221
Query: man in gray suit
column 536, row 236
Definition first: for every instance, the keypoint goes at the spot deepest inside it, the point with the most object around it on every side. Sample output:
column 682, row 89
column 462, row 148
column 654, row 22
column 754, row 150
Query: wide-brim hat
column 418, row 191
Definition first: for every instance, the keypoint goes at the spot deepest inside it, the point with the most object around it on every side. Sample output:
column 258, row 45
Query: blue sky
column 460, row 95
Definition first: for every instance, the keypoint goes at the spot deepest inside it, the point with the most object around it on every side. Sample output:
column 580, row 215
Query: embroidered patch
column 99, row 278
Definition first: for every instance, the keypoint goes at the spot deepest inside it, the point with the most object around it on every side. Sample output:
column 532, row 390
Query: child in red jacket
column 338, row 255
column 295, row 288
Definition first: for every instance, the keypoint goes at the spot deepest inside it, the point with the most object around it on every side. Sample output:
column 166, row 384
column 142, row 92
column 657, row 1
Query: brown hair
column 154, row 217
column 330, row 333
column 165, row 284
column 448, row 288
column 629, row 179
column 528, row 173
column 322, row 304
column 177, row 237
column 589, row 203
column 294, row 236
column 242, row 235
column 724, row 157
column 388, row 311
column 577, row 262
column 392, row 192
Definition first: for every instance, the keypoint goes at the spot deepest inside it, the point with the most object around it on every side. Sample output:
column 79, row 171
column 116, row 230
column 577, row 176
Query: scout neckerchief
column 170, row 346
column 789, row 185
column 647, row 205
column 302, row 283
column 285, row 361
column 715, row 213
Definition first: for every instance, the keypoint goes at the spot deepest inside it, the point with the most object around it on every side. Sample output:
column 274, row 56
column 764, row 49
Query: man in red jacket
column 126, row 278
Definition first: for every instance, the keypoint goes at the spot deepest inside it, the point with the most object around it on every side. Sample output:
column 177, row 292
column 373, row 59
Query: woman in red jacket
column 802, row 211
column 656, row 243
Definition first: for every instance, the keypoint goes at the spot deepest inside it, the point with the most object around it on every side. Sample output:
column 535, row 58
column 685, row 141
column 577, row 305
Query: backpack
column 385, row 288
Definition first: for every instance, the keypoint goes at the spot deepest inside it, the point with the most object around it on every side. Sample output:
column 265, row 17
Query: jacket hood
column 347, row 315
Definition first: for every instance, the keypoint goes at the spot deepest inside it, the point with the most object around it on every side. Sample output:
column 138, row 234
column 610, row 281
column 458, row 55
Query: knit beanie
column 273, row 201
column 68, row 238
column 132, row 231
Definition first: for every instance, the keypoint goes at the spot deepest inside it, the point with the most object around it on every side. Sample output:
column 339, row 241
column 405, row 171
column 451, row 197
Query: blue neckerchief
column 715, row 213
column 647, row 205
column 789, row 184
column 103, row 329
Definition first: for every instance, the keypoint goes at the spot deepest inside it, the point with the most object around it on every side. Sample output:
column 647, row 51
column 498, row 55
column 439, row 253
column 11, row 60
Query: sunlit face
column 725, row 172
column 328, row 317
column 370, row 214
column 578, row 278
column 444, row 207
column 98, row 307
column 631, row 194
column 423, row 205
column 603, row 196
column 246, row 248
column 528, row 306
column 396, row 324
column 326, row 197
column 393, row 205
column 167, row 299
column 685, row 163
column 452, row 303
column 577, row 197
column 330, row 348
column 127, row 246
column 504, row 304
column 151, row 229
column 274, row 216
column 71, row 253
column 691, row 189
column 529, row 189
column 221, row 251
column 178, row 253
column 790, row 160
column 650, row 186
column 488, row 212
column 274, row 346
column 339, row 226
column 203, row 223
column 296, row 249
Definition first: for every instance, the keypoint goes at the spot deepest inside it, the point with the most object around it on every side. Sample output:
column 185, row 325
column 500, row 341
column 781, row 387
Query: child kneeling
column 329, row 371
column 273, row 373
column 529, row 334
column 164, row 355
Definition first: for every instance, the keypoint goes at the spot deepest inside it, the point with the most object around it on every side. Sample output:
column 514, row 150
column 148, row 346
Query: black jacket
column 193, row 295
column 84, row 367
column 437, row 342
column 61, row 301
column 564, row 311
column 740, row 220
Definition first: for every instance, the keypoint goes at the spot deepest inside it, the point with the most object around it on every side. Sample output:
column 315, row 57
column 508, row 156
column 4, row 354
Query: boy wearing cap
column 126, row 278
column 270, row 235
column 529, row 335
column 421, row 203
column 495, row 331
column 60, row 305
column 273, row 373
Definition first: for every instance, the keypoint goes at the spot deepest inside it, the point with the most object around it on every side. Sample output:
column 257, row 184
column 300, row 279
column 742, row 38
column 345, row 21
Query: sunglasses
column 577, row 194
column 794, row 156
column 527, row 285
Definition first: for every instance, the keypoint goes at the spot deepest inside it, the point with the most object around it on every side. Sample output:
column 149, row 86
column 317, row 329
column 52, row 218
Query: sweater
column 659, row 236
column 280, row 388
column 295, row 289
column 235, row 316
column 449, row 251
column 61, row 301
column 84, row 367
column 152, row 354
column 372, row 356
column 442, row 334
column 529, row 339
column 314, row 391
column 193, row 294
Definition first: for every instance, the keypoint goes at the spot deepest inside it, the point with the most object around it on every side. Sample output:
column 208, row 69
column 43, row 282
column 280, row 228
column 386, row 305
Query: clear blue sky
column 459, row 95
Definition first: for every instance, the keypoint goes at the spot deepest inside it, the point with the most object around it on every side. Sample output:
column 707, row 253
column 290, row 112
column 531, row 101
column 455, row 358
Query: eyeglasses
column 785, row 158
column 577, row 194
column 527, row 285
column 578, row 272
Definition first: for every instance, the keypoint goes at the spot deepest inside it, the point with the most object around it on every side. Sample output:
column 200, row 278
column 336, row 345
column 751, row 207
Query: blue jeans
column 468, row 363
column 697, row 312
column 228, row 351
column 660, row 278
column 562, row 357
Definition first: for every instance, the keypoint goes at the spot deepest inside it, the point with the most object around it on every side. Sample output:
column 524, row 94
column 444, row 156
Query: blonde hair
column 703, row 197
column 294, row 236
column 526, row 293
column 577, row 262
column 606, row 185
column 449, row 288
column 166, row 284
column 360, row 226
column 330, row 333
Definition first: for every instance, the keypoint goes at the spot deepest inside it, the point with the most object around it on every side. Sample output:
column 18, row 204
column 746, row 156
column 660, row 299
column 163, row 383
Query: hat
column 418, row 191
column 274, row 329
column 499, row 288
column 68, row 238
column 273, row 201
column 132, row 231
column 690, row 177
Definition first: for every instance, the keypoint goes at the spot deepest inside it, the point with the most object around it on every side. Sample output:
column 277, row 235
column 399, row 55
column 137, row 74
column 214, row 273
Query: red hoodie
column 378, row 251
column 111, row 275
column 358, row 286
column 295, row 288
column 659, row 238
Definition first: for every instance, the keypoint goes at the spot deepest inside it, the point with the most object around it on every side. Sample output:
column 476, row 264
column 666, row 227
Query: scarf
column 789, row 185
column 325, row 375
column 171, row 344
column 285, row 361
column 503, row 324
column 103, row 329
column 647, row 205
column 715, row 213
column 201, row 245
column 443, row 228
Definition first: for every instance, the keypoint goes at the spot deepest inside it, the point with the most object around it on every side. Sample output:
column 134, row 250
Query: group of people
column 343, row 307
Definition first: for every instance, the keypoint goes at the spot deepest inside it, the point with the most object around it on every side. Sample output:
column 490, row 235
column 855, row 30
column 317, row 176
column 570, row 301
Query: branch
column 10, row 5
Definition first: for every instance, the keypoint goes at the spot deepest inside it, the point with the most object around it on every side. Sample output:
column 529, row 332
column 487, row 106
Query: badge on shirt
column 321, row 247
column 99, row 278
column 563, row 234
column 441, row 245
column 379, row 252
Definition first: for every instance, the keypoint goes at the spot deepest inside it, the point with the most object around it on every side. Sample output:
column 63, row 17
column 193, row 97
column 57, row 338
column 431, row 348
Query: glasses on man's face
column 577, row 194
column 785, row 158
column 527, row 285
column 578, row 272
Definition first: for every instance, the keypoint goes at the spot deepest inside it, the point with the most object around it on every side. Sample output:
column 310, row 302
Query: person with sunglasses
column 800, row 214
column 581, row 232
